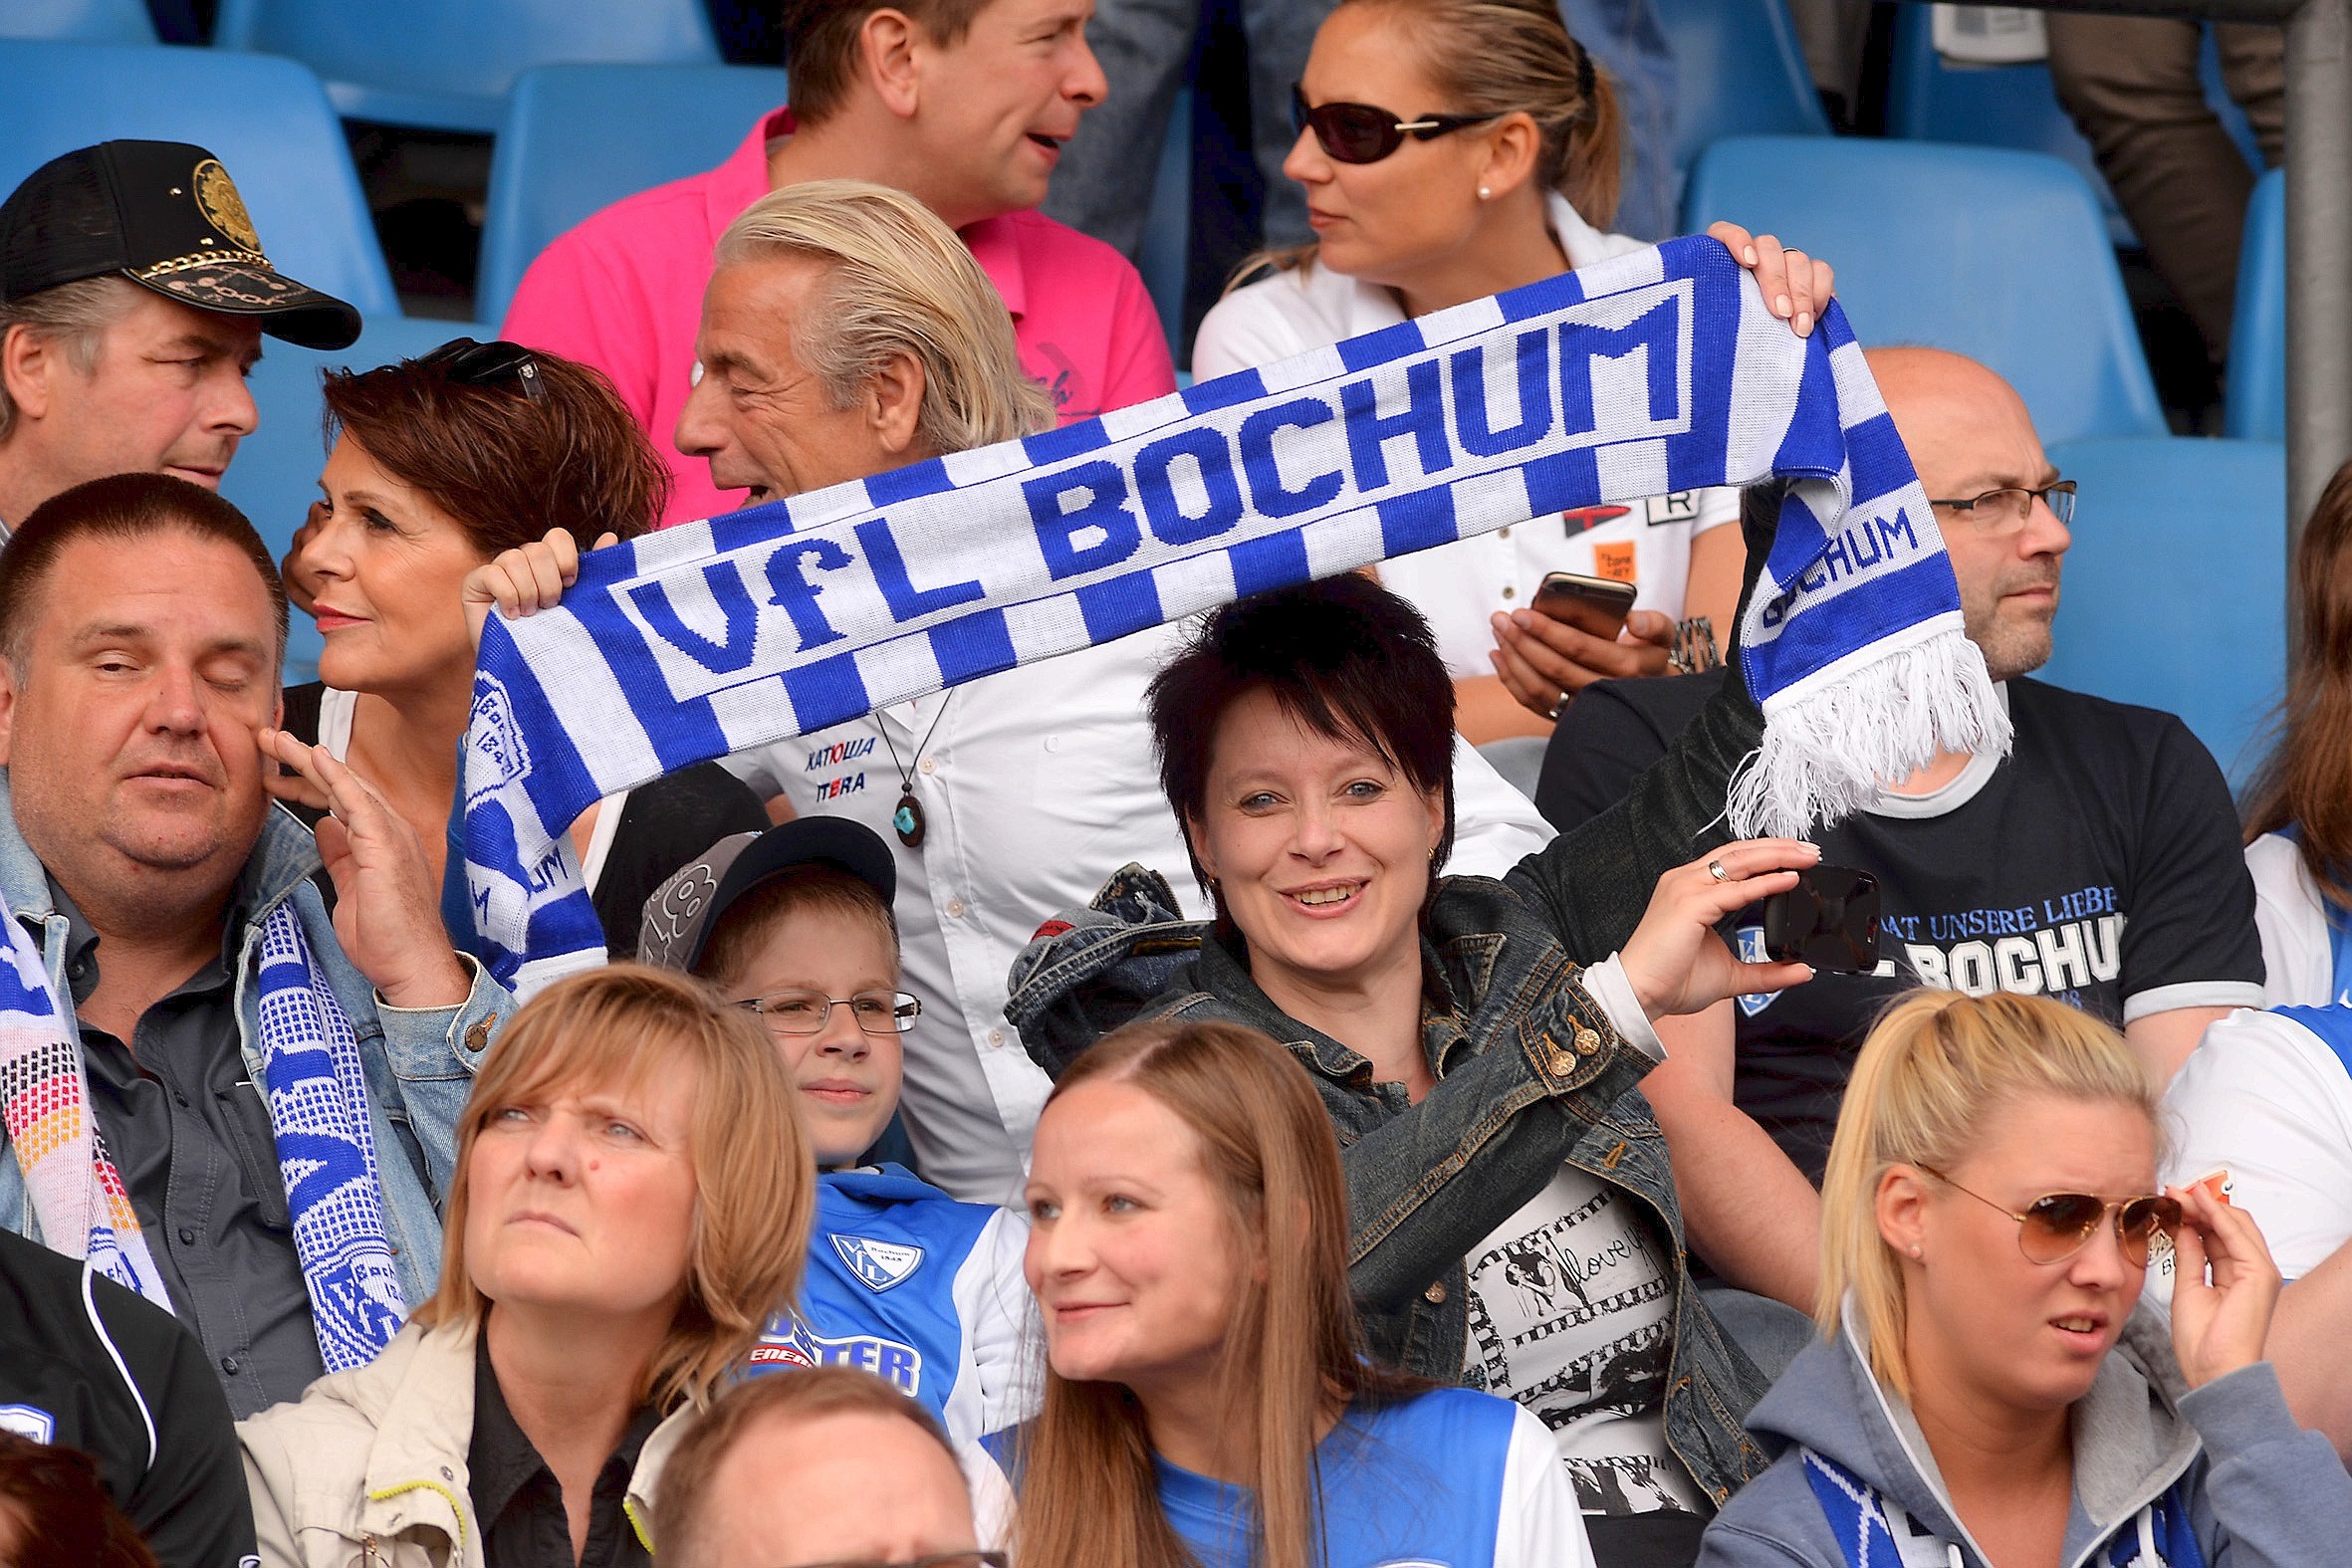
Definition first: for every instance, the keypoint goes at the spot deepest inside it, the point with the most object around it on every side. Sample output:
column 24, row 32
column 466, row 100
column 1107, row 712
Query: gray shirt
column 191, row 1135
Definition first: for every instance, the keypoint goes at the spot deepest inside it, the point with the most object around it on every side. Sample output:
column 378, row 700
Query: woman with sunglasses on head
column 1209, row 1402
column 1458, row 149
column 437, row 466
column 1989, row 1390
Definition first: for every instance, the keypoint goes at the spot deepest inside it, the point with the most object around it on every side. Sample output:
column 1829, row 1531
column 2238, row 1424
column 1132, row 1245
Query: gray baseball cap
column 685, row 910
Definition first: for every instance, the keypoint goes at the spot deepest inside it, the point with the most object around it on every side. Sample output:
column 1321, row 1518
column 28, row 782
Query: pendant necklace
column 907, row 821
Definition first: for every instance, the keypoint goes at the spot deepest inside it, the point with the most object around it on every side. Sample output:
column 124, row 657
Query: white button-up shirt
column 1035, row 784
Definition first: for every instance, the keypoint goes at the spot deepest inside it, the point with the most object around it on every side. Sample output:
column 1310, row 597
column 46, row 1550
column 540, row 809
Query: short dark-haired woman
column 440, row 464
column 1515, row 1222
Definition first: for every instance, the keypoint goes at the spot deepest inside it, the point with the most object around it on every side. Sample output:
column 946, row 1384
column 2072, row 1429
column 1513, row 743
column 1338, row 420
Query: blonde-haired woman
column 1457, row 149
column 1990, row 1389
column 632, row 1199
column 1207, row 1403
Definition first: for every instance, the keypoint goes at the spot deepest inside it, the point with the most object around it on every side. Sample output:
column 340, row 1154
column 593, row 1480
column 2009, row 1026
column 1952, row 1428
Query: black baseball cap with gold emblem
column 166, row 216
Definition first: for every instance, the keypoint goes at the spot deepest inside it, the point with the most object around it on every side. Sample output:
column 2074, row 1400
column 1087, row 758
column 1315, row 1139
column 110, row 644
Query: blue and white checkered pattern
column 2157, row 1535
column 317, row 1090
column 1657, row 371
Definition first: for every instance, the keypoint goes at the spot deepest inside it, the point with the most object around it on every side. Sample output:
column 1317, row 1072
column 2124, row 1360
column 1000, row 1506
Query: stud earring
column 1915, row 1251
column 1483, row 194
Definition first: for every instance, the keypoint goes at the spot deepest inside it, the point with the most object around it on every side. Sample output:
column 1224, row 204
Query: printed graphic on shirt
column 1615, row 560
column 2054, row 947
column 1060, row 379
column 1680, row 506
column 27, row 1420
column 879, row 1266
column 835, row 756
column 789, row 1342
column 1582, row 519
column 1570, row 1314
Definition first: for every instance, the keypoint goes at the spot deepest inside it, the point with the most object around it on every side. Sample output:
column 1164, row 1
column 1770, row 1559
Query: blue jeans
column 1103, row 183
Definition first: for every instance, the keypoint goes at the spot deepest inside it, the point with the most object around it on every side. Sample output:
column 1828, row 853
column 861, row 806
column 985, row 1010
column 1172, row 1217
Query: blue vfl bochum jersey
column 921, row 1290
column 1419, row 1484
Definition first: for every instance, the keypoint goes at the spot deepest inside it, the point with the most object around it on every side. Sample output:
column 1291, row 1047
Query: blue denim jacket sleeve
column 434, row 1053
column 1427, row 1182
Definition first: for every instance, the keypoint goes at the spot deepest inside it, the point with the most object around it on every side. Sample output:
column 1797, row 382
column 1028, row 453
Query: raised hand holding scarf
column 1653, row 373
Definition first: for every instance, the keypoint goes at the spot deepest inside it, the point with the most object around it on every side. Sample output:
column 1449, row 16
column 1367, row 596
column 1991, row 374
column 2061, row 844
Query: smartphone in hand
column 1828, row 920
column 1596, row 606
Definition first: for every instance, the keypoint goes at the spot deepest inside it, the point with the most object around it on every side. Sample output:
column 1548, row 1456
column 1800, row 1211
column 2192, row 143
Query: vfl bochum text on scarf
column 1657, row 371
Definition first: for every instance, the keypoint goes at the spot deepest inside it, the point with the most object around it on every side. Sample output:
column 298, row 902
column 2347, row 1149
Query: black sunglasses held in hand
column 2057, row 1225
column 1361, row 133
column 469, row 362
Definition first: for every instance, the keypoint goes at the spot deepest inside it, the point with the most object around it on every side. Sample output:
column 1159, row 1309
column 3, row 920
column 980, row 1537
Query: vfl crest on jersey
column 789, row 1342
column 1752, row 951
column 878, row 1264
column 28, row 1422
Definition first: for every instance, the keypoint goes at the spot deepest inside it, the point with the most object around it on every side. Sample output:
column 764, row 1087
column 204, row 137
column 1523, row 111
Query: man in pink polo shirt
column 962, row 103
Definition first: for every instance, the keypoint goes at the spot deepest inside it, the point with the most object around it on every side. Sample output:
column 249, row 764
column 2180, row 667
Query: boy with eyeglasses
column 904, row 1281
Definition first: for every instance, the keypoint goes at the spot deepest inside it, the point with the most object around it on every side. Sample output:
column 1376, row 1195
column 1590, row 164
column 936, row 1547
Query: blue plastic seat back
column 1738, row 72
column 448, row 64
column 1929, row 99
column 577, row 138
column 2175, row 589
column 78, row 21
column 266, row 121
column 274, row 477
column 2255, row 409
column 1998, row 255
column 1167, row 227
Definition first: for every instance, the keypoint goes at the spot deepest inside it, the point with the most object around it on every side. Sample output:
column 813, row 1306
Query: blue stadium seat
column 2255, row 409
column 1738, row 73
column 266, row 120
column 274, row 477
column 447, row 64
column 577, row 138
column 1994, row 254
column 78, row 21
column 1985, row 106
column 1167, row 228
column 2174, row 591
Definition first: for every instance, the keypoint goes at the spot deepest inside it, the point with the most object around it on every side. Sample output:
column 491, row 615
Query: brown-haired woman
column 1476, row 1042
column 439, row 465
column 2298, row 812
column 1452, row 150
column 631, row 1199
column 1208, row 1400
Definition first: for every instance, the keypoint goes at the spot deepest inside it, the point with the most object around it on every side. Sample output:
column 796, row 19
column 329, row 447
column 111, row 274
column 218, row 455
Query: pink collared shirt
column 623, row 292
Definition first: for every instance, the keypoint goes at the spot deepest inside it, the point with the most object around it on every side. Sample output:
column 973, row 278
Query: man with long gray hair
column 847, row 333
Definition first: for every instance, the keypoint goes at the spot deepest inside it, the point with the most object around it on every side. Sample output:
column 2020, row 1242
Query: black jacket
column 88, row 1365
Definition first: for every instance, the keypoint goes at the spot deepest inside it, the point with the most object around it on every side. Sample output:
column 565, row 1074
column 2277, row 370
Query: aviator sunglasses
column 1361, row 133
column 2057, row 1225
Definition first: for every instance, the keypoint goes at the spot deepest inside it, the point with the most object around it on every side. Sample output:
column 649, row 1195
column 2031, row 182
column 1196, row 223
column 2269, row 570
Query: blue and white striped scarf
column 1656, row 372
column 317, row 1094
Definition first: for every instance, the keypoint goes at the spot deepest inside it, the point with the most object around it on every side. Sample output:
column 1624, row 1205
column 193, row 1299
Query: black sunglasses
column 1361, row 133
column 472, row 363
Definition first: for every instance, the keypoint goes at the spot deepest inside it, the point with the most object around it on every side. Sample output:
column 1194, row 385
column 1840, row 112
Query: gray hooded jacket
column 2260, row 1493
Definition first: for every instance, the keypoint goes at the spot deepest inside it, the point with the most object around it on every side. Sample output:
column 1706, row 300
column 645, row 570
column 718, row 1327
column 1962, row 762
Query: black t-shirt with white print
column 2100, row 864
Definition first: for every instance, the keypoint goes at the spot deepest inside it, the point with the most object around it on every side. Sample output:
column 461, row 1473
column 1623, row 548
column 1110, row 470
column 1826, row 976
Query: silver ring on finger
column 1715, row 869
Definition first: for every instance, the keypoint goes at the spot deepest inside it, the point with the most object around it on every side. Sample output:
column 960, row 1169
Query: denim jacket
column 1529, row 1071
column 420, row 1061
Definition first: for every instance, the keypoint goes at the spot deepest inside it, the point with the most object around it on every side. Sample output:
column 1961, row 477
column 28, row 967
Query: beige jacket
column 369, row 1469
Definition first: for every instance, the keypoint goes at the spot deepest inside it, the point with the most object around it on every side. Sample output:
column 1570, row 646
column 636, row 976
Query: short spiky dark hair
column 1344, row 656
column 123, row 509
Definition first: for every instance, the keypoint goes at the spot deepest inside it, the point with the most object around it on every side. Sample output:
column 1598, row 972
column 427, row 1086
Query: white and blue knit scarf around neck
column 318, row 1096
column 1656, row 372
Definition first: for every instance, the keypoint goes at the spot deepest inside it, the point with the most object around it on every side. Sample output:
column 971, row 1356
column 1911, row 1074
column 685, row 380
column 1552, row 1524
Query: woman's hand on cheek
column 1675, row 961
column 2220, row 1327
column 526, row 579
column 1795, row 286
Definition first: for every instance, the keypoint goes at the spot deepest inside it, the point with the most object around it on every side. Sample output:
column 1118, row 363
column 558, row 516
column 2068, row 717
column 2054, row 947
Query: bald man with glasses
column 2099, row 862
